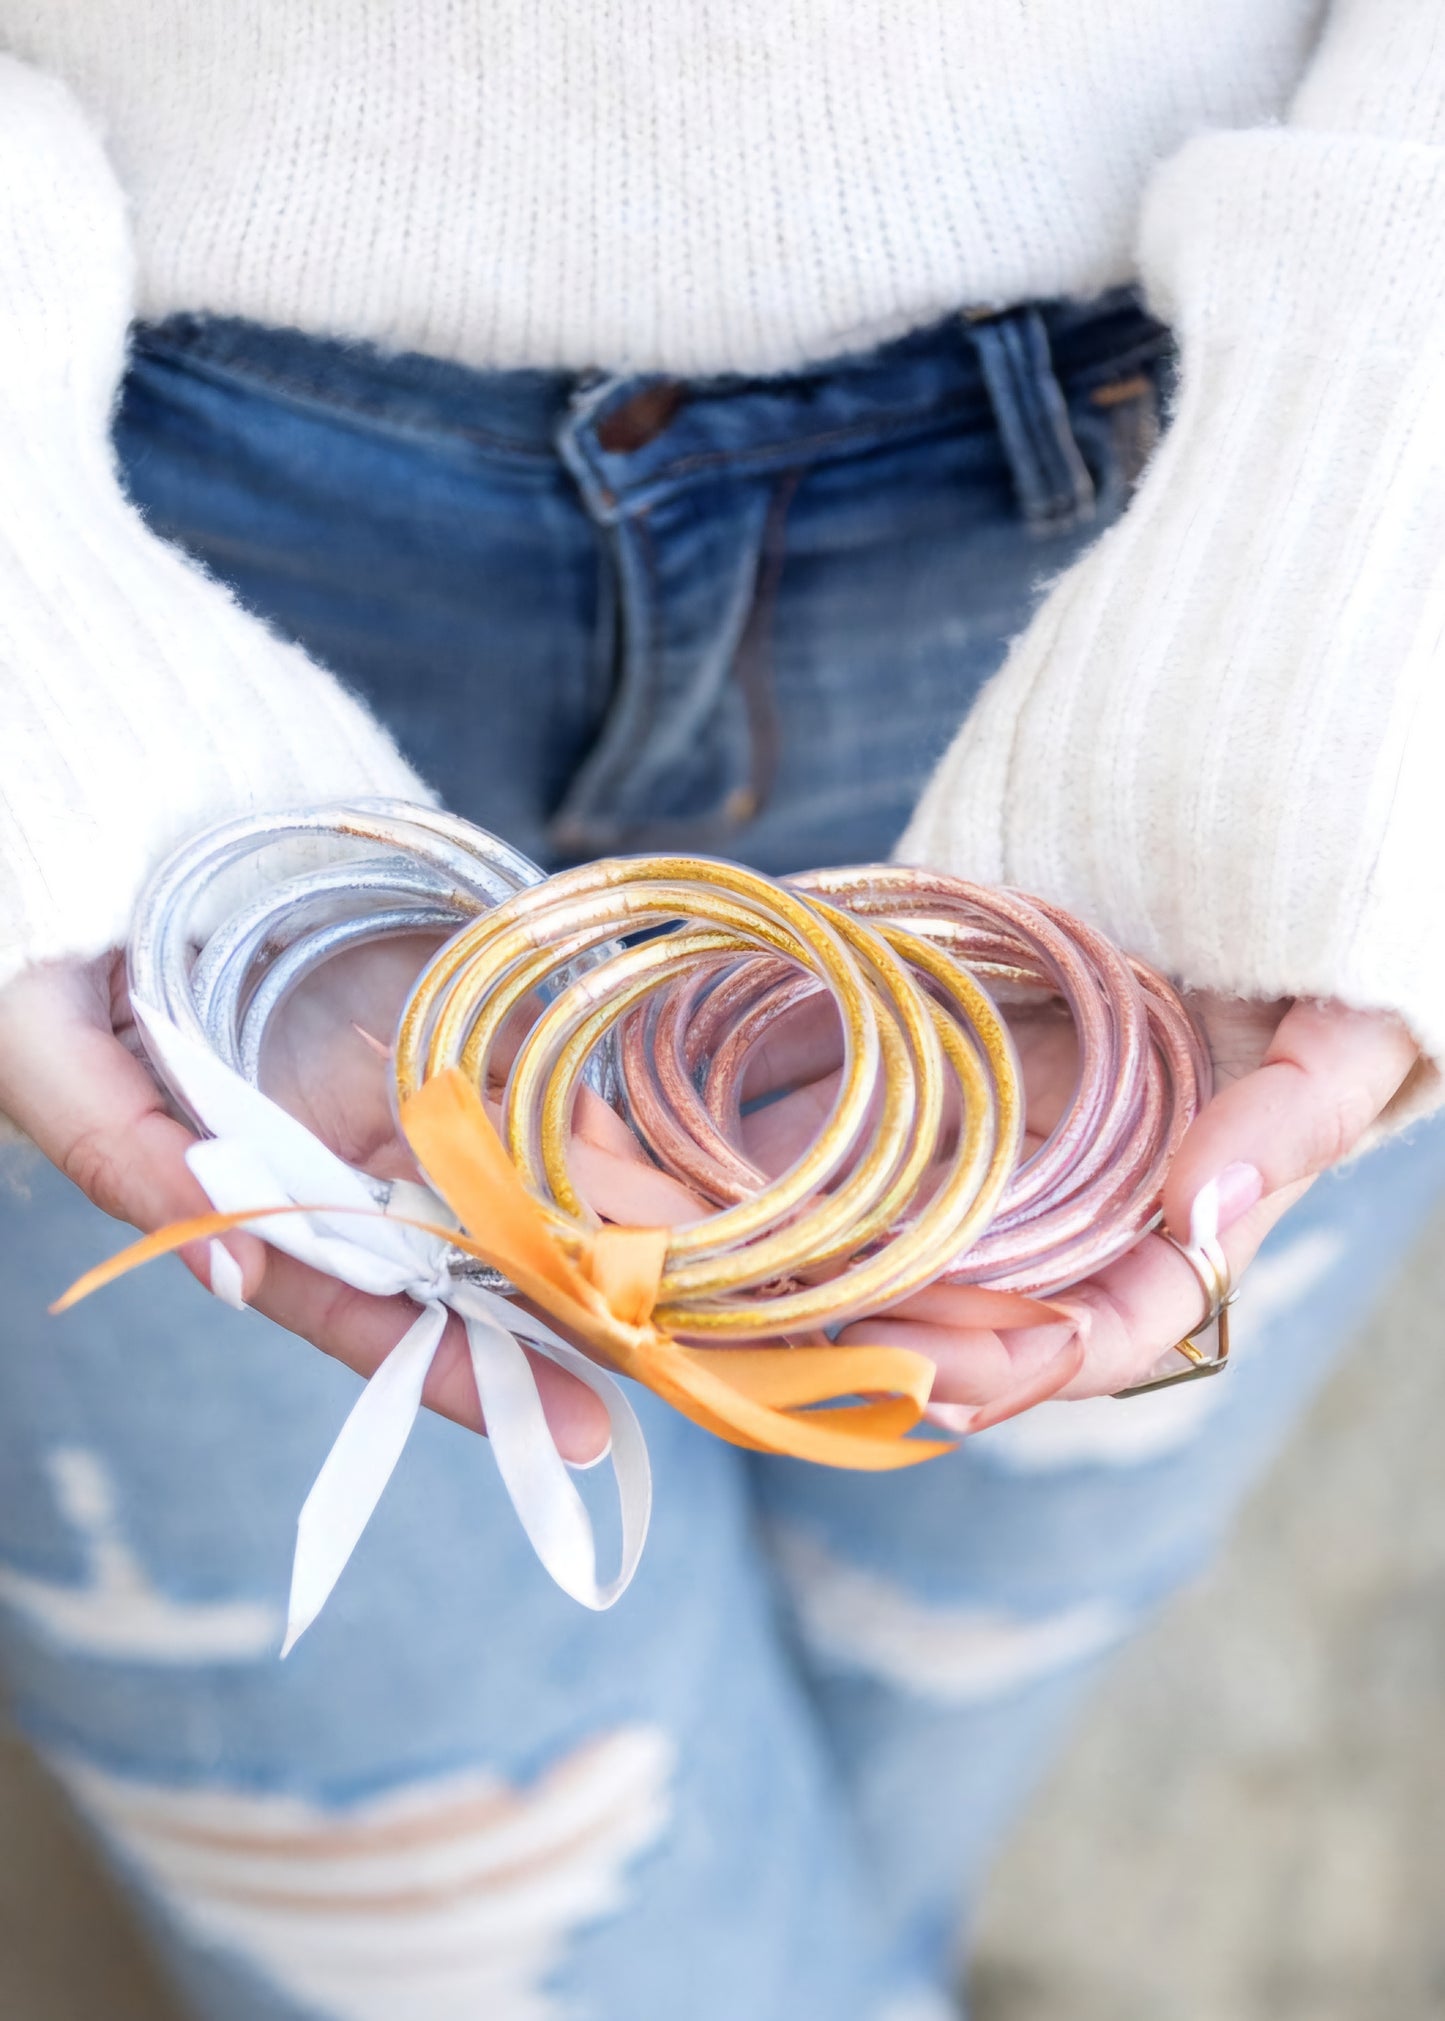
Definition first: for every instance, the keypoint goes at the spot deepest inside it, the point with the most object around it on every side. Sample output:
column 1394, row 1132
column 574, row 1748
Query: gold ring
column 1211, row 1267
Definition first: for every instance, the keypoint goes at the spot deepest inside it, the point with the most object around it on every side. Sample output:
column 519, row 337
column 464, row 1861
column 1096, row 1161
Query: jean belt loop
column 1051, row 478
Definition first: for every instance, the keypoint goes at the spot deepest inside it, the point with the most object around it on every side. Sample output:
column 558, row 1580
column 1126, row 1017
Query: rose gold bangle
column 851, row 1225
column 1092, row 1189
column 1081, row 1198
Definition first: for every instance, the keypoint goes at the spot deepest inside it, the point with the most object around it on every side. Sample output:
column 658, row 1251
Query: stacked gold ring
column 851, row 1226
column 1210, row 1265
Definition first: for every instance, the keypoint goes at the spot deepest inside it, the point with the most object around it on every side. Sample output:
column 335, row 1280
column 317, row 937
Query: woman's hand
column 1297, row 1089
column 70, row 1079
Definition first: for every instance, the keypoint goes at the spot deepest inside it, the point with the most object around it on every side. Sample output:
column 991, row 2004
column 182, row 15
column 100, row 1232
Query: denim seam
column 753, row 666
column 652, row 642
column 633, row 708
column 1035, row 422
column 337, row 407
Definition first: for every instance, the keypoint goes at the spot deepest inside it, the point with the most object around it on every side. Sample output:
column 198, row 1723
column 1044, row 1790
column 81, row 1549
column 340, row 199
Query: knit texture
column 1220, row 738
column 137, row 700
column 682, row 185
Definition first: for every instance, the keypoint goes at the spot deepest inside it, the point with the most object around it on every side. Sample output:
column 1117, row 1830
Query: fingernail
column 1081, row 1317
column 586, row 1466
column 1223, row 1201
column 227, row 1282
column 951, row 1417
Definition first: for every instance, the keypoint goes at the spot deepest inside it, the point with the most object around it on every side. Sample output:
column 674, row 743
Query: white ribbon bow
column 258, row 1156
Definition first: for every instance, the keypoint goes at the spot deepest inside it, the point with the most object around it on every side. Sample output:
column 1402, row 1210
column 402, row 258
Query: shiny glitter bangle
column 847, row 1228
column 1081, row 1198
column 1092, row 1189
column 220, row 972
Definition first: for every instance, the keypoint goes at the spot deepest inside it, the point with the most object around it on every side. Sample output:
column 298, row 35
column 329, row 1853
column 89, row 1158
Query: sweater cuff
column 138, row 701
column 1332, row 243
column 1219, row 739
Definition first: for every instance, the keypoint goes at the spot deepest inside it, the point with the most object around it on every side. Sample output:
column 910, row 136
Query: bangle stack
column 1092, row 1188
column 656, row 979
column 675, row 988
column 845, row 1230
column 1083, row 1197
column 378, row 868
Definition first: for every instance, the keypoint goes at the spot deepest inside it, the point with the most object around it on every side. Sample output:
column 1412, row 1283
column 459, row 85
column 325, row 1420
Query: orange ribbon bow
column 848, row 1406
column 759, row 1397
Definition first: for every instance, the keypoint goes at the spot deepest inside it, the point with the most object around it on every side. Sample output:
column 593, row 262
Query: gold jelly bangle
column 901, row 1042
column 908, row 1102
column 762, row 1250
column 462, row 1001
column 964, row 1203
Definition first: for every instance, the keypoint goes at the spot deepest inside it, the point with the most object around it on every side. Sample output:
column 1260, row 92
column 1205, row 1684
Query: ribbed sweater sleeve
column 137, row 700
column 1222, row 736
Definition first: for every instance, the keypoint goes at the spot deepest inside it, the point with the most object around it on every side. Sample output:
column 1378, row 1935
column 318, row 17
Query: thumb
column 1327, row 1075
column 95, row 1112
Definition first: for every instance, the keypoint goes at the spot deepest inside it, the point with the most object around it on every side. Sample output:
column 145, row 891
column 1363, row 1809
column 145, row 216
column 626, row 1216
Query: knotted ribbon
column 758, row 1397
column 849, row 1407
column 261, row 1168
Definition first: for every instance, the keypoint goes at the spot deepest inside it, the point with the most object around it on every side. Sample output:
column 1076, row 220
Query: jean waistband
column 650, row 430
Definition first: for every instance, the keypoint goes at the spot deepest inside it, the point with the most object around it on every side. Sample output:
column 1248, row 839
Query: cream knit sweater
column 1220, row 739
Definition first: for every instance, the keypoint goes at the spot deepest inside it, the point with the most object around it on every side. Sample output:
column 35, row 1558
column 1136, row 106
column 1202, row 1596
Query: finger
column 1047, row 1048
column 1327, row 1074
column 1149, row 1300
column 628, row 1192
column 615, row 1176
column 1040, row 1387
column 802, row 1044
column 973, row 1365
column 95, row 1112
column 360, row 1330
column 976, row 1305
column 773, row 1137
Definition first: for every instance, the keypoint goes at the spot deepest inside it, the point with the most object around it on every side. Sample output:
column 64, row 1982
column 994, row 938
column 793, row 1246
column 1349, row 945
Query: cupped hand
column 1298, row 1087
column 72, row 1081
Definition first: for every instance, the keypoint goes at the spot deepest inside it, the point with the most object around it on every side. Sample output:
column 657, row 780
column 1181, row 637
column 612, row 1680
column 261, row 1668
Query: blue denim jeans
column 599, row 614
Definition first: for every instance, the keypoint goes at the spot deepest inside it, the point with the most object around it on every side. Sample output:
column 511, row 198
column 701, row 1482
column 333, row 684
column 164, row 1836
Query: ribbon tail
column 355, row 1472
column 627, row 1455
column 236, row 1174
column 229, row 1106
column 744, row 1404
column 536, row 1477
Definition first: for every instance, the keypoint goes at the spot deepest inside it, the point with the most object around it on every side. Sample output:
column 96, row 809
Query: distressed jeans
column 609, row 614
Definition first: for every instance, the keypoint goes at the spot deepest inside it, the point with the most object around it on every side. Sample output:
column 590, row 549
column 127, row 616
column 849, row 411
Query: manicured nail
column 227, row 1283
column 586, row 1466
column 1223, row 1201
column 951, row 1417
